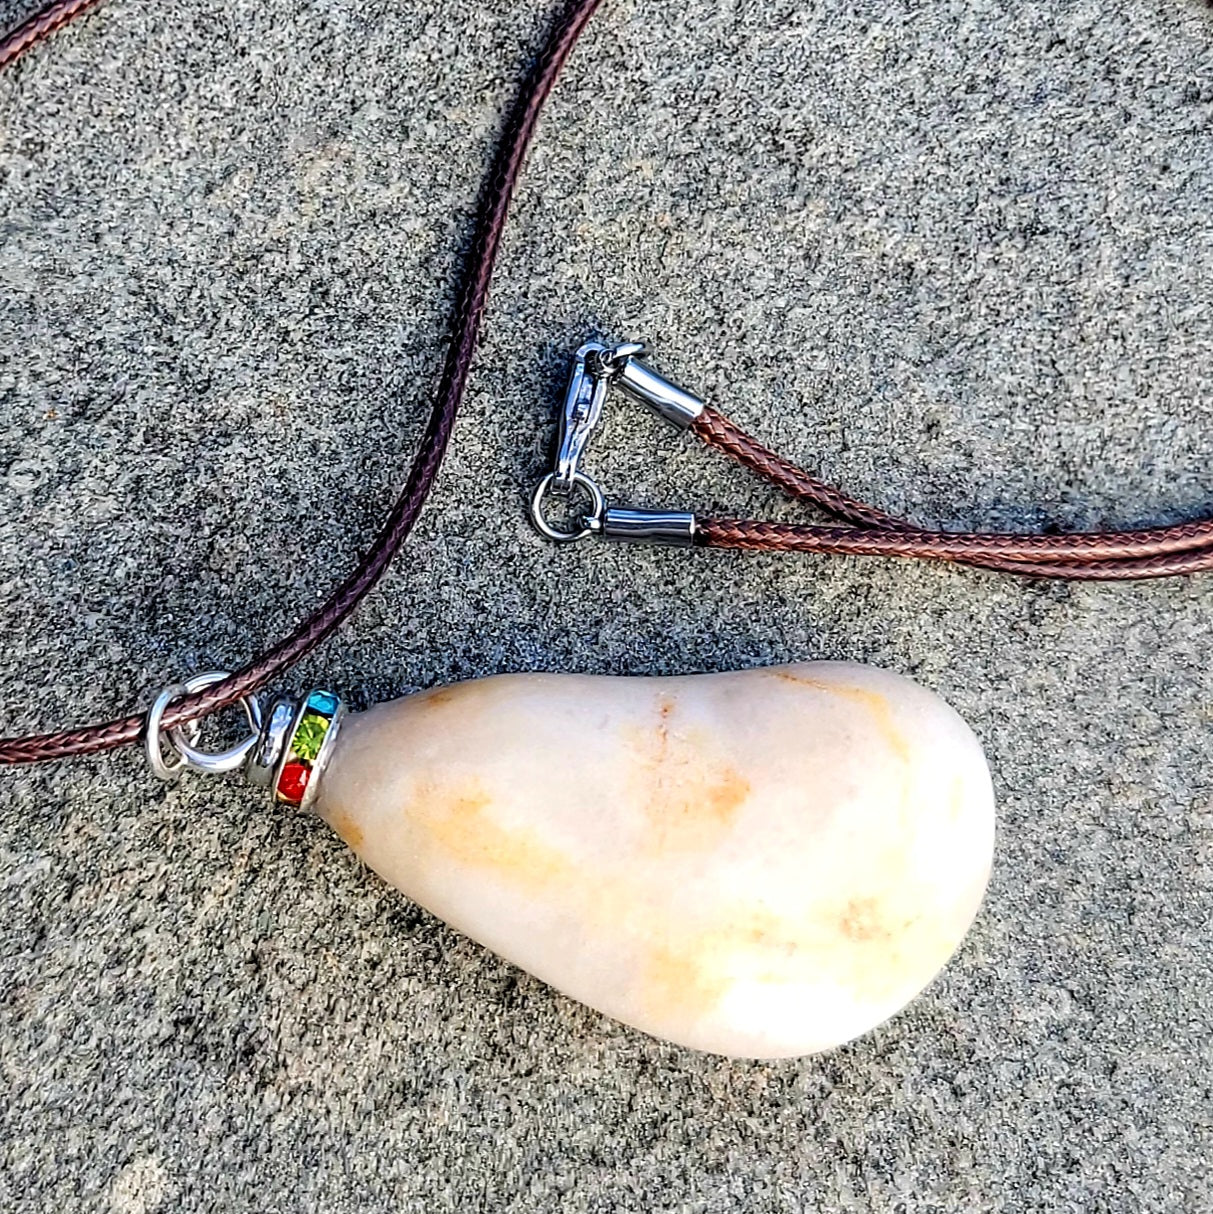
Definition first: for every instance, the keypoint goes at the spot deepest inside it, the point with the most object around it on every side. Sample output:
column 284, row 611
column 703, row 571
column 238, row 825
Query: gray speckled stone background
column 955, row 256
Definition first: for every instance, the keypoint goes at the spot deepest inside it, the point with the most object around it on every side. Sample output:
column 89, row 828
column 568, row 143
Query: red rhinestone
column 292, row 784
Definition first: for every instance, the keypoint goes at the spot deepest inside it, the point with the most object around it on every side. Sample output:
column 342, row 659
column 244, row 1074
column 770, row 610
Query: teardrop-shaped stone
column 762, row 864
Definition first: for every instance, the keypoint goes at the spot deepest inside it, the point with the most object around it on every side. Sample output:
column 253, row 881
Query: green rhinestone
column 309, row 737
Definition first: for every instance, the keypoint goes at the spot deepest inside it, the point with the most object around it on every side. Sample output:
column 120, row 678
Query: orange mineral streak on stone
column 861, row 921
column 878, row 943
column 691, row 974
column 871, row 946
column 876, row 705
column 454, row 818
column 347, row 829
column 457, row 701
column 437, row 697
column 690, row 797
column 680, row 981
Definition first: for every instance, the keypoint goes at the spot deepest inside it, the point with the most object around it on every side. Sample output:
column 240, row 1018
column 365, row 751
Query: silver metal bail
column 264, row 760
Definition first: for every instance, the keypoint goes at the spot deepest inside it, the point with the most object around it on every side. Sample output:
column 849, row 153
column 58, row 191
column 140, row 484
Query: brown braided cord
column 1155, row 552
column 41, row 25
column 1086, row 555
column 964, row 548
column 469, row 311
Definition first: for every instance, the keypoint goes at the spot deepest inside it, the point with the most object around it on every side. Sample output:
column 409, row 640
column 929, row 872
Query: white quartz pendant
column 761, row 864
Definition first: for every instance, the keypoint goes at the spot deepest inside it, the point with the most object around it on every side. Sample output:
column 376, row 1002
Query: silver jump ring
column 609, row 360
column 184, row 738
column 592, row 522
column 152, row 734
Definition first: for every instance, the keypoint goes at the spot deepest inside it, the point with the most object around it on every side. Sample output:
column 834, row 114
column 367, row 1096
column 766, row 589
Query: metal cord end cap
column 673, row 528
column 663, row 396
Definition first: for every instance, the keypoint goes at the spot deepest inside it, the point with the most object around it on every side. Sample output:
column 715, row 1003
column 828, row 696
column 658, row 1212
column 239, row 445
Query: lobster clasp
column 595, row 368
column 588, row 385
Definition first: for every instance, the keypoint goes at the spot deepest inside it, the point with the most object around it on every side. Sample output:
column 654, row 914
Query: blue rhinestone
column 323, row 702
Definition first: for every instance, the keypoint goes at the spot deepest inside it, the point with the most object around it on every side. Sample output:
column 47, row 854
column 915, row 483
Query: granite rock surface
column 957, row 258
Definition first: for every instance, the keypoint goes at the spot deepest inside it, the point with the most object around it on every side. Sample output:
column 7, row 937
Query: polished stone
column 765, row 863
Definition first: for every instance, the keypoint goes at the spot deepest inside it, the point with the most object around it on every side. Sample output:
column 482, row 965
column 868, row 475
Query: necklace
column 710, row 803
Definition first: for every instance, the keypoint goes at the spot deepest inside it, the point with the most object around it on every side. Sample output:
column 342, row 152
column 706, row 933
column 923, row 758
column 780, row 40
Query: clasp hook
column 594, row 367
column 583, row 401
